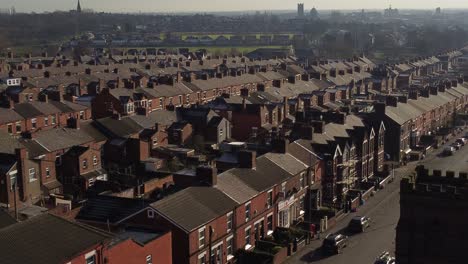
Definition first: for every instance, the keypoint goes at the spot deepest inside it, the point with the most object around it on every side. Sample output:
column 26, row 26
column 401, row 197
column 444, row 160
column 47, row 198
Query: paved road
column 456, row 163
column 384, row 210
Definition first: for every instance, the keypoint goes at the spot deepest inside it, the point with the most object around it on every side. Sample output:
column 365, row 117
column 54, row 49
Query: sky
column 222, row 5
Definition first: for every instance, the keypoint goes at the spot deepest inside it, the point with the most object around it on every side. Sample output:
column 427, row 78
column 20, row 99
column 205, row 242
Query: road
column 456, row 163
column 384, row 210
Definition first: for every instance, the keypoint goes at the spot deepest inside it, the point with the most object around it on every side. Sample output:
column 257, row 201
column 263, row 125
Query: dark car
column 334, row 243
column 358, row 224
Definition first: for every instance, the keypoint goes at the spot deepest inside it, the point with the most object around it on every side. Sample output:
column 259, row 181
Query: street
column 383, row 209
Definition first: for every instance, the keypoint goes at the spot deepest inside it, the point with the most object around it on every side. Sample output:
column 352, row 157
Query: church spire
column 78, row 7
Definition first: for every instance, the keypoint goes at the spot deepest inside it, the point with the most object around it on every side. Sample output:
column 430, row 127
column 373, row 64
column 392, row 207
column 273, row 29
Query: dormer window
column 129, row 108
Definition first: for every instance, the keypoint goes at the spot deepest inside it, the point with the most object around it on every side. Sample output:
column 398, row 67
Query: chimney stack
column 247, row 159
column 207, row 174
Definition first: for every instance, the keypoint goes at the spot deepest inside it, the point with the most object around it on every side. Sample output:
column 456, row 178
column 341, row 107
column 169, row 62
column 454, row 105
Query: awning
column 52, row 185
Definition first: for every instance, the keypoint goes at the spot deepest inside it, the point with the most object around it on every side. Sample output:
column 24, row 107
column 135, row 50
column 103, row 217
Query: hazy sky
column 221, row 5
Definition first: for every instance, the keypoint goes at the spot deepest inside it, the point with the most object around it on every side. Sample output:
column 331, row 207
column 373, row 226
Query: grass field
column 216, row 35
column 219, row 49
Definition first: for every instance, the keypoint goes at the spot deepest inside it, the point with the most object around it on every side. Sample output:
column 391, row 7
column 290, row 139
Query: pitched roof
column 108, row 208
column 46, row 239
column 120, row 128
column 194, row 207
column 27, row 110
column 9, row 116
column 62, row 138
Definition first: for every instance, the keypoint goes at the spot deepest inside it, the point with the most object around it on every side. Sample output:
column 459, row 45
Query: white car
column 385, row 258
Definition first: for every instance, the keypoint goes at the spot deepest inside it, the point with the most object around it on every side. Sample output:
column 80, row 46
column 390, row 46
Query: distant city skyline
column 221, row 5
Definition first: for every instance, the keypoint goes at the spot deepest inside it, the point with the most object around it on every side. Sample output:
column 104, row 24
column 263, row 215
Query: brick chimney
column 280, row 145
column 277, row 83
column 247, row 159
column 413, row 95
column 391, row 101
column 318, row 126
column 207, row 174
column 441, row 88
column 307, row 132
column 425, row 93
column 403, row 99
column 380, row 108
column 73, row 123
column 44, row 98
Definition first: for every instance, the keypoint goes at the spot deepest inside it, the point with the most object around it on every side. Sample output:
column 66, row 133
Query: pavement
column 384, row 210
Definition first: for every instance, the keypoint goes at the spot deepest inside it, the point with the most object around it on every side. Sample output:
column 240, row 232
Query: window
column 149, row 259
column 47, row 170
column 270, row 223
column 91, row 259
column 247, row 212
column 85, row 164
column 46, row 121
column 82, row 116
column 58, row 159
column 32, row 174
column 202, row 259
column 95, row 161
column 160, row 102
column 230, row 247
column 129, row 108
column 155, row 141
column 10, row 128
column 201, row 237
column 187, row 99
column 270, row 198
column 53, row 120
column 221, row 132
column 34, row 123
column 283, row 188
column 170, row 100
column 150, row 104
column 229, row 221
column 302, row 180
column 150, row 214
column 18, row 127
column 180, row 99
column 247, row 237
column 12, row 180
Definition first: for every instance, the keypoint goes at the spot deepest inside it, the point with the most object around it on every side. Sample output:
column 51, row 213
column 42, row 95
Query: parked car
column 448, row 151
column 461, row 141
column 456, row 145
column 358, row 224
column 385, row 258
column 334, row 243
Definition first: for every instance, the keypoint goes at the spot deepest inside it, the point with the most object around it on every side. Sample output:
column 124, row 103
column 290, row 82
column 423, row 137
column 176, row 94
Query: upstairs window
column 247, row 212
column 32, row 174
column 34, row 123
column 201, row 237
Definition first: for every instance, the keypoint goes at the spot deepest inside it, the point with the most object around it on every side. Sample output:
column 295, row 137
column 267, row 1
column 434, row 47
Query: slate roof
column 120, row 128
column 27, row 110
column 8, row 144
column 62, row 138
column 162, row 117
column 9, row 116
column 46, row 239
column 108, row 208
column 195, row 206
